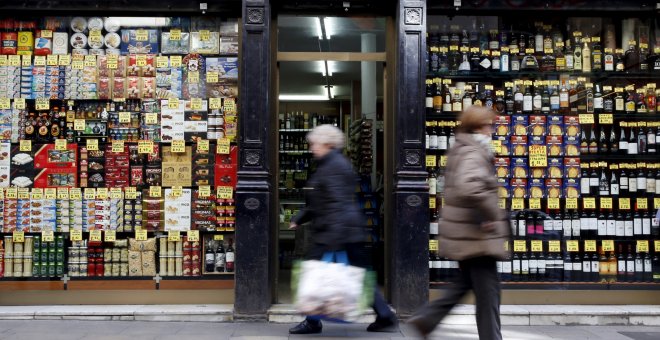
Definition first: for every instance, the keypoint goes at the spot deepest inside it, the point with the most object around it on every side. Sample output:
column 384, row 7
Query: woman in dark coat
column 337, row 222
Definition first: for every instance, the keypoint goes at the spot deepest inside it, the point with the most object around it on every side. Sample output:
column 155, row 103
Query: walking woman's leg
column 486, row 288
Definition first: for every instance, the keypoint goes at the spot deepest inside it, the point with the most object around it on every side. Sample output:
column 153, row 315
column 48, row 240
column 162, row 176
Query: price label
column 174, row 236
column 193, row 235
column 204, row 191
column 656, row 203
column 589, row 203
column 124, row 117
column 102, row 193
column 218, row 237
column 47, row 236
column 175, row 61
column 23, row 193
column 42, row 104
column 130, row 193
column 64, row 60
column 212, row 77
column 553, row 203
column 162, row 62
column 79, row 125
column 225, row 192
column 142, row 35
column 25, row 145
column 433, row 245
column 215, row 103
column 537, row 246
column 75, row 193
column 175, row 34
column 62, row 193
column 26, row 61
column 3, row 60
column 431, row 161
column 12, row 193
column 178, row 146
column 573, row 246
column 517, row 204
column 538, row 156
column 77, row 65
column 112, row 62
column 110, row 236
column 432, row 204
column 605, row 118
column 519, row 246
column 501, row 203
column 90, row 61
column 535, row 203
column 50, row 193
column 624, row 203
column 608, row 245
column 90, row 194
column 145, row 146
column 141, row 235
column 93, row 144
column 229, row 105
column 18, row 236
column 19, row 103
column 586, row 118
column 196, row 104
column 204, row 35
column 657, row 246
column 37, row 193
column 155, row 191
column 60, row 144
column 173, row 103
column 14, row 60
column 141, row 60
column 177, row 191
column 115, row 193
column 5, row 104
column 606, row 202
column 203, row 145
column 571, row 203
column 223, row 146
column 117, row 146
column 76, row 235
column 554, row 246
column 193, row 77
column 39, row 60
column 642, row 203
column 95, row 236
column 642, row 246
column 590, row 245
column 443, row 161
column 151, row 119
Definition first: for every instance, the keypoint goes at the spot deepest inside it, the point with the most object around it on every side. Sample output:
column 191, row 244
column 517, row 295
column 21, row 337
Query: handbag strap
column 335, row 256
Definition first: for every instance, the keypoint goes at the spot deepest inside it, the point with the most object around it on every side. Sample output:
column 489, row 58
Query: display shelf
column 618, row 157
column 567, row 285
column 442, row 116
column 295, row 152
column 486, row 76
column 295, row 130
column 174, row 283
column 104, row 284
column 11, row 284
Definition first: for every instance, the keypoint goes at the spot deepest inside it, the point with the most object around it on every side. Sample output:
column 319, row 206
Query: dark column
column 408, row 237
column 253, row 190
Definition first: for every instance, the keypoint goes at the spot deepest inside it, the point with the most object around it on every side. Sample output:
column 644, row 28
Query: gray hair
column 327, row 134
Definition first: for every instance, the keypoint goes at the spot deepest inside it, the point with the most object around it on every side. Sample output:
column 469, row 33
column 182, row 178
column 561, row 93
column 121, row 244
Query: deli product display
column 575, row 141
column 117, row 146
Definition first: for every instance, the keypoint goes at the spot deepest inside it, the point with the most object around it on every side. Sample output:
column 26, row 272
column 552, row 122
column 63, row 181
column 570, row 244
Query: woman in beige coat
column 473, row 229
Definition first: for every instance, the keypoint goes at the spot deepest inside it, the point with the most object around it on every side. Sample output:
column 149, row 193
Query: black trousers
column 357, row 256
column 479, row 275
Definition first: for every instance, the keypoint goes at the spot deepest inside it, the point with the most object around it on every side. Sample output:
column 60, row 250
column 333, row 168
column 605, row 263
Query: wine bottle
column 621, row 272
column 230, row 257
column 630, row 266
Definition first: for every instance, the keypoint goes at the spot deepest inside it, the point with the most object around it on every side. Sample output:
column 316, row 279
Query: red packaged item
column 226, row 167
column 104, row 88
column 133, row 88
column 9, row 37
column 119, row 88
column 132, row 70
column 149, row 70
column 137, row 176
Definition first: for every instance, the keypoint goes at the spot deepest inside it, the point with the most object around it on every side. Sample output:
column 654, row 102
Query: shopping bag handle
column 335, row 256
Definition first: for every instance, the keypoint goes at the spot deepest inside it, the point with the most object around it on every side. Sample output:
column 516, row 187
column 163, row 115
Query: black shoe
column 385, row 325
column 306, row 327
column 421, row 326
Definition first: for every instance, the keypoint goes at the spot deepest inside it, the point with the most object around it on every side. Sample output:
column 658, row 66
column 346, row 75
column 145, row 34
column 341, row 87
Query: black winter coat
column 336, row 218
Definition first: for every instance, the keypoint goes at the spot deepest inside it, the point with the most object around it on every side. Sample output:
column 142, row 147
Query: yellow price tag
column 141, row 60
column 26, row 61
column 162, row 62
column 215, row 103
column 155, row 191
column 141, row 235
column 130, row 193
column 177, row 191
column 656, row 203
column 151, row 119
column 535, row 203
column 77, row 65
column 538, row 156
column 25, row 145
column 142, row 35
column 204, row 191
column 12, row 193
column 42, row 104
column 95, row 37
column 624, row 203
column 433, row 245
column 606, row 202
column 178, row 146
column 19, row 103
column 590, row 245
column 115, row 193
column 62, row 193
column 204, row 35
column 102, row 193
column 50, row 193
column 537, row 246
column 14, row 60
column 443, row 161
column 90, row 61
column 79, row 125
column 75, row 193
column 40, row 60
column 642, row 246
column 573, row 246
column 223, row 146
column 554, row 246
column 23, row 193
column 173, row 103
column 112, row 62
column 117, row 146
column 18, row 236
column 657, row 246
column 608, row 245
column 175, row 61
column 64, row 60
column 586, row 118
column 174, row 236
column 589, row 203
column 175, row 34
column 218, row 237
column 193, row 77
column 90, row 194
column 517, row 204
column 203, row 145
column 37, row 193
column 124, row 117
column 193, row 235
column 60, row 144
column 501, row 203
column 3, row 60
column 553, row 203
column 212, row 77
column 95, row 236
column 431, row 161
column 76, row 235
column 571, row 203
column 519, row 246
column 47, row 236
column 225, row 192
column 432, row 204
column 110, row 236
column 606, row 118
column 145, row 146
column 642, row 203
column 93, row 144
column 5, row 104
column 196, row 104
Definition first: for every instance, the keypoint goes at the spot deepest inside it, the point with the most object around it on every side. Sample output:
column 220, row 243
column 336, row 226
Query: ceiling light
column 302, row 97
column 328, row 29
column 319, row 31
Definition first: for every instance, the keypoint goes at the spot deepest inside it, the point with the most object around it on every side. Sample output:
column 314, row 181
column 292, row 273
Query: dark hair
column 475, row 117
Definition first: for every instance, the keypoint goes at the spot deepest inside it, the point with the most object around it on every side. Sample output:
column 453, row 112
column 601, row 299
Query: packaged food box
column 208, row 46
column 502, row 125
column 519, row 167
column 537, row 126
column 553, row 188
column 130, row 44
column 572, row 168
column 181, row 46
column 519, row 125
column 536, row 188
column 571, row 188
column 555, row 146
column 571, row 126
column 503, row 188
column 555, row 168
column 572, row 146
column 519, row 188
column 519, row 146
column 502, row 167
column 178, row 210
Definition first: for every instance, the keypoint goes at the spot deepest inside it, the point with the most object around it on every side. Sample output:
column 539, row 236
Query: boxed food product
column 178, row 210
column 571, row 188
column 536, row 188
column 537, row 126
column 226, row 167
column 519, row 167
column 229, row 45
column 502, row 125
column 181, row 46
column 203, row 212
column 555, row 168
column 555, row 146
column 132, row 41
column 211, row 44
column 572, row 146
column 572, row 168
column 519, row 145
column 502, row 167
column 519, row 188
column 177, row 167
column 226, row 67
column 572, row 126
column 22, row 168
column 505, row 146
column 553, row 188
column 519, row 125
column 503, row 188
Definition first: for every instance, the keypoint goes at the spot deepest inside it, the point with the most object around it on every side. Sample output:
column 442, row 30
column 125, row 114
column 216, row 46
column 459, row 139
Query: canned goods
column 162, row 266
column 178, row 264
column 43, row 269
column 36, row 269
column 59, row 269
column 83, row 269
column 73, row 270
column 91, row 269
column 51, row 269
column 27, row 267
column 170, row 266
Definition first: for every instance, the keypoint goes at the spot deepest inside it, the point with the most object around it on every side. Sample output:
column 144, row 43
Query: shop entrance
column 330, row 70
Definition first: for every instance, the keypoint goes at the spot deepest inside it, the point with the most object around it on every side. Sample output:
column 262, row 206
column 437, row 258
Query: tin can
column 170, row 266
column 83, row 269
column 28, row 244
column 187, row 268
column 73, row 270
column 59, row 255
column 18, row 267
column 36, row 269
column 51, row 269
column 59, row 269
column 178, row 266
column 27, row 267
column 43, row 269
column 9, row 266
column 162, row 265
column 91, row 269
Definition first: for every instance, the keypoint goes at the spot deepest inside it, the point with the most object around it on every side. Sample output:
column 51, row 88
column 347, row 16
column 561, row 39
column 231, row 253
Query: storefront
column 178, row 131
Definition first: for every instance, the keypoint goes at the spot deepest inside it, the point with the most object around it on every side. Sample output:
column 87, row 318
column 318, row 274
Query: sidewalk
column 106, row 330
